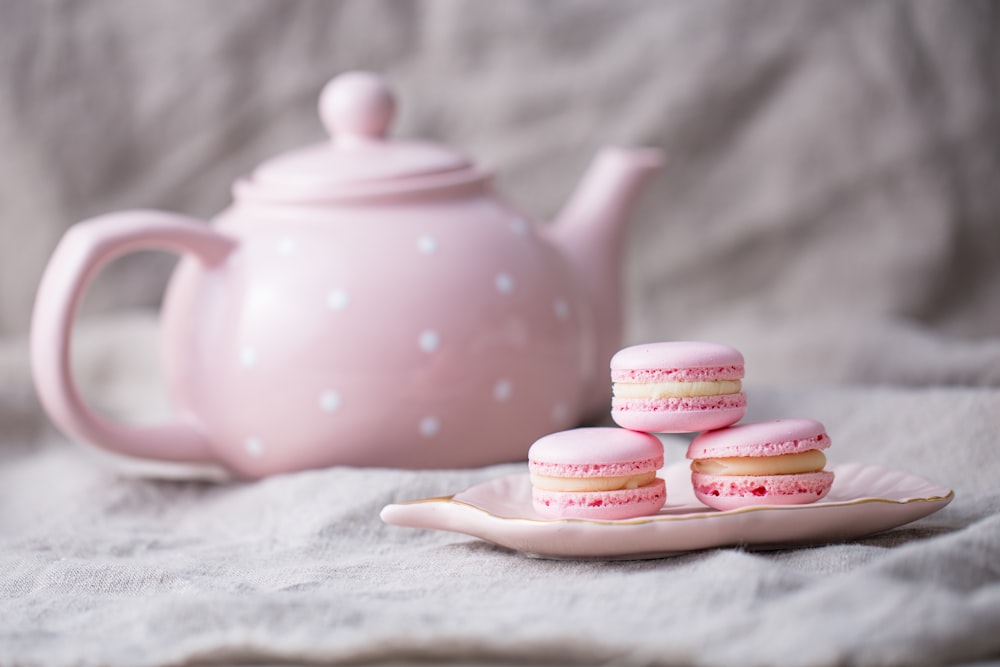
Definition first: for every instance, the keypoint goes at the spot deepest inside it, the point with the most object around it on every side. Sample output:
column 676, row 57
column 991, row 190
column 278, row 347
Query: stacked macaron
column 682, row 387
column 678, row 387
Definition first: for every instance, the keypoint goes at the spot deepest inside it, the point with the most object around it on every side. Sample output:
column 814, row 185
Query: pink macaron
column 778, row 462
column 596, row 473
column 677, row 387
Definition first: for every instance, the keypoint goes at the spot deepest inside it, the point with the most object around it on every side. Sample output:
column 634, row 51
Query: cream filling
column 784, row 464
column 676, row 389
column 592, row 483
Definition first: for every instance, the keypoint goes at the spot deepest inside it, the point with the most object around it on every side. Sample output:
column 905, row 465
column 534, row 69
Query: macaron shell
column 679, row 415
column 726, row 492
column 651, row 375
column 676, row 355
column 768, row 438
column 595, row 452
column 600, row 505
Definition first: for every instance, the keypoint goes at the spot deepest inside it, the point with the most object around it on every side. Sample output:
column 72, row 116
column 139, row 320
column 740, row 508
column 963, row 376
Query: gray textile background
column 829, row 206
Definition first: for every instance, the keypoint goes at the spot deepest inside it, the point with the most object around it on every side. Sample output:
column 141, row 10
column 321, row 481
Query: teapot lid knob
column 357, row 107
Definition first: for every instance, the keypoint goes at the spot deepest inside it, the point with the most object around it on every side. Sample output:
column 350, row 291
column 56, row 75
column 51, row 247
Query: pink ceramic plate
column 864, row 500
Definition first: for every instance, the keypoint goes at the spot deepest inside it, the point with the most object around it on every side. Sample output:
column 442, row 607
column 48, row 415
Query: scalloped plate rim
column 451, row 513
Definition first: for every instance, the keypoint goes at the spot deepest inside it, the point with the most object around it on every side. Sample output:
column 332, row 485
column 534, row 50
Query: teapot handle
column 83, row 251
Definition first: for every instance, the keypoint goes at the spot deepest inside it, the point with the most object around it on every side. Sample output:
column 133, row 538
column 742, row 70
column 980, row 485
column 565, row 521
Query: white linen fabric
column 829, row 206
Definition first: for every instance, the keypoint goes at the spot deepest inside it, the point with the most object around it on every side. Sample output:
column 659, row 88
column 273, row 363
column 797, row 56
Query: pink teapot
column 362, row 302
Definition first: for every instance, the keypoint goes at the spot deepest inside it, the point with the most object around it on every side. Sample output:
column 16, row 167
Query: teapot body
column 444, row 333
column 364, row 301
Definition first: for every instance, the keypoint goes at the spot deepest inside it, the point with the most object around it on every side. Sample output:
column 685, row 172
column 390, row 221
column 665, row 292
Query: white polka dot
column 262, row 298
column 287, row 245
column 504, row 283
column 428, row 245
column 337, row 299
column 429, row 341
column 248, row 357
column 329, row 401
column 254, row 447
column 429, row 426
column 560, row 413
column 561, row 308
column 519, row 226
column 502, row 390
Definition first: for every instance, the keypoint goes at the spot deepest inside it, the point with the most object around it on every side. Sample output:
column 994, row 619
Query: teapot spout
column 590, row 232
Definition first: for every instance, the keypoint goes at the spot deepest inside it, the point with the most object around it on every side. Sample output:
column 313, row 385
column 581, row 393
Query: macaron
column 778, row 462
column 596, row 473
column 677, row 387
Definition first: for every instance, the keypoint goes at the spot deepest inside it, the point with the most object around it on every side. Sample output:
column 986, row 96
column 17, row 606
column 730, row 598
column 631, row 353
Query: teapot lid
column 358, row 161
